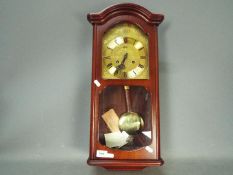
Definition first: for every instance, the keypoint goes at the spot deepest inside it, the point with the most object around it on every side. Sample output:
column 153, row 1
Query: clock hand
column 122, row 65
column 124, row 58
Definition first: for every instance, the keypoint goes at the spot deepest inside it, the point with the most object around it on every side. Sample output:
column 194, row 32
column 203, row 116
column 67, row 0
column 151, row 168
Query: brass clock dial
column 125, row 53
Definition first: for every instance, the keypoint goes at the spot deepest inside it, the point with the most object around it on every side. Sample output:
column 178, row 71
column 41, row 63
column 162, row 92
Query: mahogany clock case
column 130, row 158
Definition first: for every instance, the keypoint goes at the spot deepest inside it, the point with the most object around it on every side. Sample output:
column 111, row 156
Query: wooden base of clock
column 125, row 165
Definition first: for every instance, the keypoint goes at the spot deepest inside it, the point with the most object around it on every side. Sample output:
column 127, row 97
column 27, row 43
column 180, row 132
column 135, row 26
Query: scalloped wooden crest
column 125, row 9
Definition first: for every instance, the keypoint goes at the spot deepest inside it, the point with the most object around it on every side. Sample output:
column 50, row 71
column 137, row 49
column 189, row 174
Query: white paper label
column 103, row 153
column 116, row 139
column 149, row 149
column 97, row 83
column 147, row 133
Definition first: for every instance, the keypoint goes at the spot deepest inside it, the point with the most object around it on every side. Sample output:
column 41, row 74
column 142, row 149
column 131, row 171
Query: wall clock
column 124, row 129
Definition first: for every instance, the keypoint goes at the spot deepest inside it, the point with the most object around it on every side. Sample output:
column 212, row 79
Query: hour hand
column 120, row 66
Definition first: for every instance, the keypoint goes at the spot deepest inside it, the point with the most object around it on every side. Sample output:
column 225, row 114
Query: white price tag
column 104, row 154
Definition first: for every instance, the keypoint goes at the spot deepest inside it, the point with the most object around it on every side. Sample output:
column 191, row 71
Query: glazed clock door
column 124, row 111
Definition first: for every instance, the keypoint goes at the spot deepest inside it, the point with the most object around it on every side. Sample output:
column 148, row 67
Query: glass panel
column 125, row 117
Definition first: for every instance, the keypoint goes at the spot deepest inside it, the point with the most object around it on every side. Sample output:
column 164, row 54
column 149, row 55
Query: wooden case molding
column 148, row 22
column 125, row 9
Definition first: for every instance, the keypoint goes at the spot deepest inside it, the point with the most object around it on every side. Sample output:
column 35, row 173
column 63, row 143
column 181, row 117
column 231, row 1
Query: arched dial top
column 125, row 53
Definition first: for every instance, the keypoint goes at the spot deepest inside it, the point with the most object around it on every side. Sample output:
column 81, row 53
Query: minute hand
column 125, row 56
column 122, row 65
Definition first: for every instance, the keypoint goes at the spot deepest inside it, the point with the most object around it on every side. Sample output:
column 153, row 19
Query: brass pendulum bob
column 129, row 121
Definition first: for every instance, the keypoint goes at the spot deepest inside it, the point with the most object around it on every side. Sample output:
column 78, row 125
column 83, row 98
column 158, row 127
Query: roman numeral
column 116, row 72
column 125, row 74
column 141, row 66
column 109, row 65
column 143, row 57
column 134, row 42
column 107, row 57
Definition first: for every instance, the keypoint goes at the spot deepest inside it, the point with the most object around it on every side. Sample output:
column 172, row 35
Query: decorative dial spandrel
column 125, row 53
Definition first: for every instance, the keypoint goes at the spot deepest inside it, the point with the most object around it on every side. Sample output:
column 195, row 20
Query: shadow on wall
column 147, row 171
column 81, row 113
column 164, row 83
column 179, row 167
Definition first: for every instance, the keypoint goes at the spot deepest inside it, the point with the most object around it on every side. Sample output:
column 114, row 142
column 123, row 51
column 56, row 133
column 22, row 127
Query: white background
column 45, row 74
